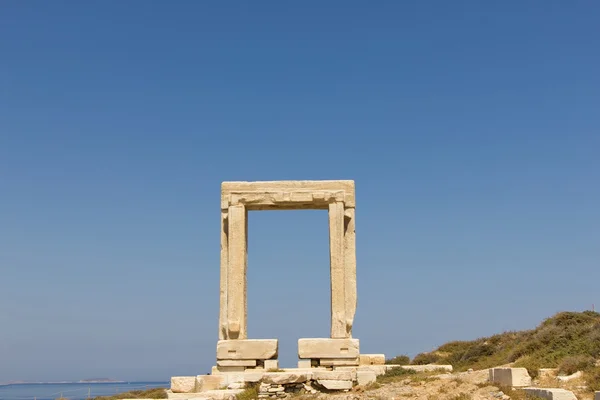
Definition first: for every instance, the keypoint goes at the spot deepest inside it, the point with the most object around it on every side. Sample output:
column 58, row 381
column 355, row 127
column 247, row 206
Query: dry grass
column 568, row 340
column 399, row 360
column 395, row 374
column 156, row 393
column 250, row 393
column 592, row 378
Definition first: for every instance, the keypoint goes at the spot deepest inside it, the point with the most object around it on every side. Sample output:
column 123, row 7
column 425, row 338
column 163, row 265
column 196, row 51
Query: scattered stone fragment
column 567, row 378
column 551, row 394
column 514, row 377
column 183, row 384
column 335, row 384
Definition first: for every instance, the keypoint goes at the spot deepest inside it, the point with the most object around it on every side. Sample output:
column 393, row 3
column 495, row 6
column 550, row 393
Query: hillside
column 568, row 340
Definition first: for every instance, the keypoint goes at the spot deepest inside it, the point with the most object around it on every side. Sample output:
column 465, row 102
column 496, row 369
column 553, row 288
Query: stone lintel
column 248, row 349
column 266, row 195
column 328, row 348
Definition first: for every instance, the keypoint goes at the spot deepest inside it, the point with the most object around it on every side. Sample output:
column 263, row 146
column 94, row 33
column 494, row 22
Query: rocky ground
column 457, row 386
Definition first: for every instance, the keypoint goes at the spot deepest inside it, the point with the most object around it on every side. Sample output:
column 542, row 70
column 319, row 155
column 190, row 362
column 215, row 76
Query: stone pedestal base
column 225, row 381
column 239, row 355
column 325, row 352
column 247, row 349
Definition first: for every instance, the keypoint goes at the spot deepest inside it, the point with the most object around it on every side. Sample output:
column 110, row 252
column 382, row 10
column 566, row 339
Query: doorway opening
column 288, row 278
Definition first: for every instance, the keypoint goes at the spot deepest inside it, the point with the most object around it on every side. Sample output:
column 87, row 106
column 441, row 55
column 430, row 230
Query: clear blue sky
column 471, row 129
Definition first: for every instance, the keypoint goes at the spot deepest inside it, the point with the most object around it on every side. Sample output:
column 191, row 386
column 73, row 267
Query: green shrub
column 571, row 364
column 532, row 364
column 394, row 373
column 592, row 378
column 399, row 360
column 554, row 341
column 425, row 358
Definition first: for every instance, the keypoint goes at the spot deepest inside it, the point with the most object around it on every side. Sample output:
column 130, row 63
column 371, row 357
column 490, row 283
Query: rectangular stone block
column 338, row 375
column 550, row 394
column 366, row 377
column 377, row 369
column 281, row 378
column 372, row 359
column 351, row 369
column 231, row 375
column 265, row 195
column 306, row 370
column 271, row 364
column 209, row 382
column 304, row 363
column 253, row 375
column 328, row 348
column 597, row 396
column 249, row 349
column 514, row 377
column 338, row 362
column 335, row 385
column 226, row 370
column 236, row 363
column 183, row 384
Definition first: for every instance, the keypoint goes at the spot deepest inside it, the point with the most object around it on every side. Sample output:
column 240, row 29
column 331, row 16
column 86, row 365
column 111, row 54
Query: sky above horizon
column 471, row 130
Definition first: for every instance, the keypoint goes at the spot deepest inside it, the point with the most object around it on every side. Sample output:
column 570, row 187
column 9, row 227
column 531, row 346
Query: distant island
column 92, row 380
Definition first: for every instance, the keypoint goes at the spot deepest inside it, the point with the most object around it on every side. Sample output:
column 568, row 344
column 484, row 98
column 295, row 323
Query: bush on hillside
column 425, row 358
column 399, row 360
column 532, row 365
column 570, row 365
column 592, row 378
column 567, row 340
column 393, row 373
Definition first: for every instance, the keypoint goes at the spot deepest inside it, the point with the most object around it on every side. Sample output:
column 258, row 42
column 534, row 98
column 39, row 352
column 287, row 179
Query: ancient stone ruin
column 234, row 349
column 332, row 363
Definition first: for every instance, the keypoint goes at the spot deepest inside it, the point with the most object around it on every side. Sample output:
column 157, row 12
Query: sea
column 72, row 391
